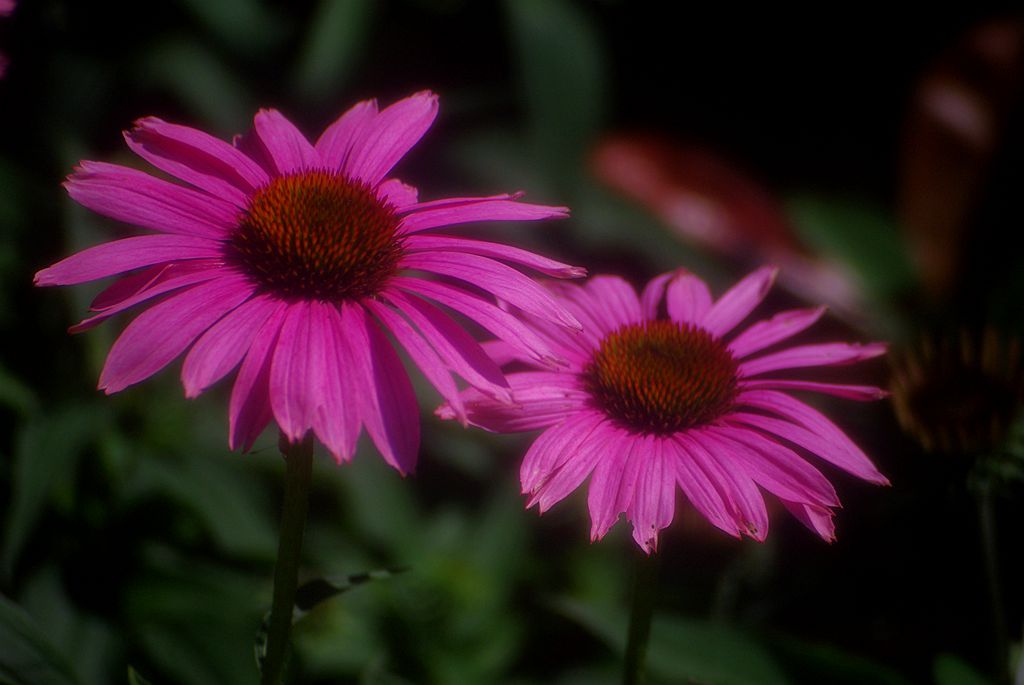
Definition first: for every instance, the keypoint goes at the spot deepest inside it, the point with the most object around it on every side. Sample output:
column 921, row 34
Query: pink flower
column 293, row 260
column 648, row 401
column 6, row 10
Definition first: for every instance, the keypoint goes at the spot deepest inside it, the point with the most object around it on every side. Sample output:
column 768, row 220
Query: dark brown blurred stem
column 298, row 468
column 987, row 521
column 645, row 591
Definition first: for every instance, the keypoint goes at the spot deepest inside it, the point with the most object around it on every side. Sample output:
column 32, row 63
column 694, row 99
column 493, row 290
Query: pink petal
column 502, row 354
column 118, row 256
column 336, row 142
column 773, row 466
column 688, row 299
column 336, row 421
column 460, row 352
column 613, row 484
column 827, row 354
column 296, row 372
column 223, row 346
column 288, row 148
column 139, row 199
column 387, row 403
column 861, row 393
column 615, row 301
column 162, row 332
column 458, row 202
column 424, row 356
column 197, row 158
column 654, row 292
column 499, row 322
column 158, row 281
column 539, row 399
column 386, row 138
column 549, row 267
column 737, row 303
column 397, row 194
column 494, row 277
column 654, row 503
column 776, row 329
column 481, row 210
column 705, row 495
column 571, row 472
column 836, row 446
column 554, row 447
column 739, row 493
column 249, row 411
column 817, row 519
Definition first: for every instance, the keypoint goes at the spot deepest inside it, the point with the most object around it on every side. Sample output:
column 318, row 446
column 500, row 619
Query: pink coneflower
column 648, row 401
column 292, row 260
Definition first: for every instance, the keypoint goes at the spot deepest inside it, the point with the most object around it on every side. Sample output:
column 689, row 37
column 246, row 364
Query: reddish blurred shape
column 955, row 123
column 709, row 202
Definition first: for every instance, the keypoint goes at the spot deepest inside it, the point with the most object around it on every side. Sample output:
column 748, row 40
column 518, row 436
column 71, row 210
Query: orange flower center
column 662, row 377
column 318, row 234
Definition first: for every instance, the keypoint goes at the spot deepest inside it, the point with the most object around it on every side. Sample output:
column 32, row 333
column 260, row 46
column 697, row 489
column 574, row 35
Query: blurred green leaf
column 683, row 649
column 952, row 670
column 200, row 81
column 15, row 394
column 225, row 499
column 338, row 31
column 562, row 68
column 246, row 25
column 134, row 678
column 46, row 452
column 824, row 663
column 857, row 234
column 26, row 655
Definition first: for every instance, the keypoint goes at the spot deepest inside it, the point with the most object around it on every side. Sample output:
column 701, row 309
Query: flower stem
column 645, row 590
column 298, row 468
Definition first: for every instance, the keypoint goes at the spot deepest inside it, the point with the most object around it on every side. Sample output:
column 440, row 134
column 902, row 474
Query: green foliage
column 26, row 656
column 952, row 670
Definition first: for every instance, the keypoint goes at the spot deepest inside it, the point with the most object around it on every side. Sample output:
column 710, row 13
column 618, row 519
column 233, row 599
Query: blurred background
column 875, row 158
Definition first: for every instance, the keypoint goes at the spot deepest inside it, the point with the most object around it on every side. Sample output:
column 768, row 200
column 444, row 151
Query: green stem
column 298, row 468
column 987, row 521
column 645, row 590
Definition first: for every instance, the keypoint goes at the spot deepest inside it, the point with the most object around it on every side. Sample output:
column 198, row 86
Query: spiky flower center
column 661, row 377
column 318, row 234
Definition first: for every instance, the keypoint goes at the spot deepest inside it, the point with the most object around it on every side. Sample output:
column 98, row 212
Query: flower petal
column 460, row 352
column 817, row 519
column 539, row 399
column 386, row 138
column 834, row 444
column 249, row 411
column 162, row 332
column 613, row 484
column 423, row 355
column 654, row 501
column 705, row 495
column 653, row 294
column 615, row 301
column 197, row 158
column 738, row 302
column 335, row 143
column 499, row 322
column 826, row 354
column 296, row 373
column 287, row 147
column 861, row 393
column 222, row 347
column 773, row 466
column 139, row 199
column 776, row 329
column 397, row 194
column 550, row 451
column 494, row 277
column 548, row 267
column 572, row 471
column 688, row 298
column 336, row 421
column 127, row 254
column 483, row 209
column 387, row 403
